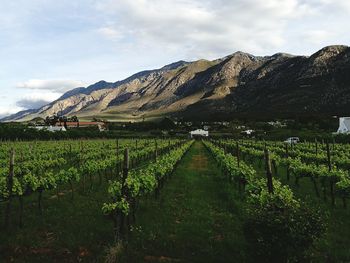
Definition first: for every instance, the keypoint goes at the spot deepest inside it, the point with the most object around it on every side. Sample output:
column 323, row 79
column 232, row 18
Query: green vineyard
column 165, row 200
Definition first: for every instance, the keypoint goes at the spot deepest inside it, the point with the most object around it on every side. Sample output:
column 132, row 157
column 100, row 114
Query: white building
column 50, row 128
column 247, row 132
column 199, row 133
column 344, row 125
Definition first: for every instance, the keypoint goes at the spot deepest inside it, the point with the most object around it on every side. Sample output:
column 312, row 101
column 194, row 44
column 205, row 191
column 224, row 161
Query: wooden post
column 20, row 199
column 136, row 162
column 268, row 171
column 331, row 180
column 124, row 190
column 238, row 153
column 117, row 157
column 126, row 165
column 156, row 150
column 288, row 168
column 328, row 157
column 10, row 186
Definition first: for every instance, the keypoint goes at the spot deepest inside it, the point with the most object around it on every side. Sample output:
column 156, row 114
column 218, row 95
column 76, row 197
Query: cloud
column 37, row 99
column 6, row 111
column 43, row 91
column 318, row 36
column 56, row 85
column 205, row 27
column 212, row 28
column 111, row 33
column 32, row 104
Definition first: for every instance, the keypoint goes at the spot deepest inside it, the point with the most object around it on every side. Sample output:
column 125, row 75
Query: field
column 170, row 200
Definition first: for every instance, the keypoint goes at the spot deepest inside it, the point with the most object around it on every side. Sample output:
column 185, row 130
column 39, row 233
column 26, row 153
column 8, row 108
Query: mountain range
column 240, row 84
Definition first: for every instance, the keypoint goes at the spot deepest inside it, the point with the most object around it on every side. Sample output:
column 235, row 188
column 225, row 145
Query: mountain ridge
column 239, row 83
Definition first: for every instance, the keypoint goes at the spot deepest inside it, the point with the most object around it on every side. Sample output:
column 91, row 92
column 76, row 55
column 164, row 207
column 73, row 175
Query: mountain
column 237, row 85
column 288, row 86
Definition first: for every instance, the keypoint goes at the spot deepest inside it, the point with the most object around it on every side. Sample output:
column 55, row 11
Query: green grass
column 196, row 219
column 68, row 231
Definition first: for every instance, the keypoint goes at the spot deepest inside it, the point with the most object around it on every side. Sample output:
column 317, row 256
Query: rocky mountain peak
column 281, row 56
column 236, row 83
column 328, row 53
column 175, row 65
column 239, row 56
column 324, row 60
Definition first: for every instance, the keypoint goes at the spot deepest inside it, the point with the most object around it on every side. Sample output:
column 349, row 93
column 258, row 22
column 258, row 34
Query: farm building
column 50, row 128
column 247, row 132
column 199, row 133
column 100, row 125
column 344, row 125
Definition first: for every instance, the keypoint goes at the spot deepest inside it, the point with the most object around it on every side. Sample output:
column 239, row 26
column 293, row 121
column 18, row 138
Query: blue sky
column 48, row 47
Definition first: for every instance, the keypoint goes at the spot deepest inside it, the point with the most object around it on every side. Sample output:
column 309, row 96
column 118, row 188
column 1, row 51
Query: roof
column 81, row 123
column 199, row 131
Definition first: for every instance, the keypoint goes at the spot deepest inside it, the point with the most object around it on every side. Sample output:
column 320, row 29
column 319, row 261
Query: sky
column 48, row 47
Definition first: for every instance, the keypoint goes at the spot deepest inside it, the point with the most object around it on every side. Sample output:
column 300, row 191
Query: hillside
column 237, row 85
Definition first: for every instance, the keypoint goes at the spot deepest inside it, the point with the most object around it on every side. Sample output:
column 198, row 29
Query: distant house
column 50, row 128
column 344, row 125
column 247, row 132
column 199, row 133
column 82, row 124
column 277, row 124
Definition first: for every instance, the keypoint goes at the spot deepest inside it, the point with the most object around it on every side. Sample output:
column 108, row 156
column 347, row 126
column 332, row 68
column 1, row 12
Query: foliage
column 283, row 233
column 278, row 227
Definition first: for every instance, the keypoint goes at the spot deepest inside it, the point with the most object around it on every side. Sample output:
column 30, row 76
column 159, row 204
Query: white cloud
column 198, row 27
column 56, row 85
column 5, row 111
column 32, row 104
column 111, row 33
column 36, row 99
column 212, row 28
column 43, row 91
column 318, row 36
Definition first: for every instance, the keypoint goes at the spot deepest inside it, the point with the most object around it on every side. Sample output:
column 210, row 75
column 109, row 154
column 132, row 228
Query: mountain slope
column 239, row 84
column 287, row 85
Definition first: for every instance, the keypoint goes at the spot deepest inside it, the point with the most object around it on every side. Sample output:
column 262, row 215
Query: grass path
column 196, row 218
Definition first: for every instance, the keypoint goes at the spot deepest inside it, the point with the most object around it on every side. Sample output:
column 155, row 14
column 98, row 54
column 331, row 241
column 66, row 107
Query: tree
column 167, row 124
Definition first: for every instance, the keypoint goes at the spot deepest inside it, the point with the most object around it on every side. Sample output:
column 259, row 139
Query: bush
column 278, row 228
